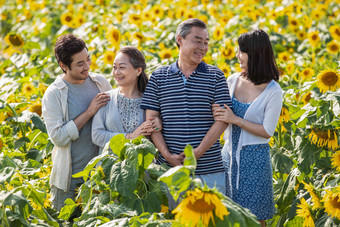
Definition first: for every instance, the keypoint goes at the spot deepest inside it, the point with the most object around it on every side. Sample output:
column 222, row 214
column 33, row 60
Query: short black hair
column 66, row 46
column 262, row 67
column 184, row 28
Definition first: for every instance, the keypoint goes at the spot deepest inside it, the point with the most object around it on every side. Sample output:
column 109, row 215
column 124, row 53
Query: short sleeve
column 150, row 98
column 221, row 90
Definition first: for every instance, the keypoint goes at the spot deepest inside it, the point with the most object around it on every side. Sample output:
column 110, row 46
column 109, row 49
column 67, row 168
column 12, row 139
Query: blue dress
column 255, row 190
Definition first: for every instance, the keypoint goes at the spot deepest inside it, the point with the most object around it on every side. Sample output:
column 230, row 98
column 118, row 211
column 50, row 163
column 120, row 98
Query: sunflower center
column 201, row 206
column 15, row 40
column 323, row 134
column 167, row 55
column 336, row 202
column 337, row 31
column 294, row 22
column 329, row 79
column 334, row 47
column 308, row 97
column 115, row 36
column 306, row 72
column 68, row 18
column 227, row 52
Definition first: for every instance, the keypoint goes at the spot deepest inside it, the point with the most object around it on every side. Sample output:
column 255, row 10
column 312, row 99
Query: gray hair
column 184, row 28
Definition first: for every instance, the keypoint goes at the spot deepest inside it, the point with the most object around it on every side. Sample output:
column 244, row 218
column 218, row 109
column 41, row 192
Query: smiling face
column 194, row 46
column 243, row 59
column 78, row 71
column 124, row 72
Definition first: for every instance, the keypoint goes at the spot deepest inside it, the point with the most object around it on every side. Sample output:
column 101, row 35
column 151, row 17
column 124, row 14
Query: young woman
column 122, row 114
column 257, row 102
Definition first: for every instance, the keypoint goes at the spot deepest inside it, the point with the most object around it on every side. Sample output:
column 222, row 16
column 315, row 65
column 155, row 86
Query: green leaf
column 117, row 144
column 190, row 159
column 281, row 162
column 68, row 209
column 19, row 201
column 6, row 174
column 177, row 179
column 38, row 123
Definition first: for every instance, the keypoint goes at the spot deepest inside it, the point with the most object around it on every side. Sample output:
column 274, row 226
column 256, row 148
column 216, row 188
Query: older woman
column 123, row 114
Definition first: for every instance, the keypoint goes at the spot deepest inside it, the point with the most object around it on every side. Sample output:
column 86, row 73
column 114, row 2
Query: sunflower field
column 305, row 152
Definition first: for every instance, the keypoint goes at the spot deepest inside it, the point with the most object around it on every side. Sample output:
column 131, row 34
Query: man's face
column 194, row 46
column 80, row 66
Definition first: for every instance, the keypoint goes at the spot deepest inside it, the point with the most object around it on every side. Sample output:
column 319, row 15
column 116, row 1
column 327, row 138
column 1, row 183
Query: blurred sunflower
column 113, row 35
column 181, row 13
column 135, row 19
column 164, row 209
column 314, row 38
column 218, row 33
column 301, row 34
column 157, row 11
column 284, row 56
column 332, row 203
column 284, row 114
column 324, row 137
column 225, row 69
column 109, row 57
column 306, row 22
column 307, row 73
column 147, row 16
column 293, row 23
column 47, row 201
column 6, row 131
column 305, row 213
column 333, row 47
column 165, row 53
column 317, row 14
column 35, row 205
column 36, row 108
column 328, row 80
column 336, row 160
column 28, row 89
column 225, row 18
column 306, row 97
column 14, row 40
column 334, row 30
column 314, row 196
column 119, row 15
column 199, row 206
column 228, row 52
column 79, row 19
column 290, row 68
column 68, row 20
column 139, row 37
column 1, row 144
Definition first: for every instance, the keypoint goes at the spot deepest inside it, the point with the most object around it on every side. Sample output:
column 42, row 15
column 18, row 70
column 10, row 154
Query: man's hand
column 175, row 159
column 98, row 101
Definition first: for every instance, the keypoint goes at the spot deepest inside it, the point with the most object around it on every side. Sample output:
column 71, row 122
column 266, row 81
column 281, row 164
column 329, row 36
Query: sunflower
column 138, row 36
column 109, row 57
column 228, row 52
column 113, row 35
column 305, row 213
column 293, row 23
column 290, row 68
column 68, row 19
column 336, row 160
column 135, row 19
column 224, row 19
column 333, row 47
column 35, row 205
column 218, row 33
column 284, row 115
column 284, row 56
column 36, row 108
column 307, row 73
column 164, row 209
column 225, row 69
column 306, row 97
column 314, row 38
column 328, row 80
column 6, row 131
column 199, row 207
column 165, row 53
column 28, row 89
column 324, row 137
column 301, row 34
column 315, row 198
column 334, row 30
column 332, row 203
column 14, row 40
column 1, row 144
column 47, row 201
column 79, row 19
column 157, row 11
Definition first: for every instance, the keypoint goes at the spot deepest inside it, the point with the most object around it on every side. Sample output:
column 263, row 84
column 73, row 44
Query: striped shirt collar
column 202, row 67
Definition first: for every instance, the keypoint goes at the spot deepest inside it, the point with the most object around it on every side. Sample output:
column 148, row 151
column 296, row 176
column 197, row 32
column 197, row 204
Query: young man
column 68, row 106
column 182, row 94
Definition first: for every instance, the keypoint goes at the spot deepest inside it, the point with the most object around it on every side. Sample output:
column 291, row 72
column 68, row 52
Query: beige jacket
column 61, row 130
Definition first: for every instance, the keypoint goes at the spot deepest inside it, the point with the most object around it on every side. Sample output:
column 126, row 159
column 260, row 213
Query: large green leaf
column 190, row 159
column 281, row 162
column 68, row 209
column 117, row 144
column 18, row 201
column 6, row 174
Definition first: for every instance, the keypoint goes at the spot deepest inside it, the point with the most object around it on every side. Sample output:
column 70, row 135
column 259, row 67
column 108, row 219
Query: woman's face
column 242, row 58
column 123, row 71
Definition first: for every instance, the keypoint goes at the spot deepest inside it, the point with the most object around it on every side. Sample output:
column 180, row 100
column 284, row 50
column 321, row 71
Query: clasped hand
column 223, row 114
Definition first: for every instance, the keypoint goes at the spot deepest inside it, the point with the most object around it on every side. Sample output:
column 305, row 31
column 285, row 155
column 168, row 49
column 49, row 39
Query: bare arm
column 226, row 115
column 210, row 138
column 158, row 140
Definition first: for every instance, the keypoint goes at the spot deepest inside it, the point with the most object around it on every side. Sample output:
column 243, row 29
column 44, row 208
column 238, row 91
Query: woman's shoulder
column 275, row 86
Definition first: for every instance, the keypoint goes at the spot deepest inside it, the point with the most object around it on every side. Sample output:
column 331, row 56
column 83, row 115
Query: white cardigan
column 106, row 123
column 61, row 130
column 265, row 110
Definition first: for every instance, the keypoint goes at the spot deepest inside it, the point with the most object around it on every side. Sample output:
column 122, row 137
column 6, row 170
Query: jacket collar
column 202, row 67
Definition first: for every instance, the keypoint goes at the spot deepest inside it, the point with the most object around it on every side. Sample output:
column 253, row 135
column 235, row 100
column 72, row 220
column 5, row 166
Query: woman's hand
column 156, row 124
column 143, row 129
column 226, row 115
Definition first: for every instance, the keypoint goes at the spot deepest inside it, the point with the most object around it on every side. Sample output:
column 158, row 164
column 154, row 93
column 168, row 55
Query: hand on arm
column 158, row 140
column 97, row 102
column 226, row 115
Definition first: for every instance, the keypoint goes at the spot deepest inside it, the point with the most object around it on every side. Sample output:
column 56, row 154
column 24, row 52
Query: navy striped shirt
column 185, row 109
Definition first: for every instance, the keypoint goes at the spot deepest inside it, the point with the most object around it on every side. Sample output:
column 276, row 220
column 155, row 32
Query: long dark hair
column 261, row 64
column 137, row 60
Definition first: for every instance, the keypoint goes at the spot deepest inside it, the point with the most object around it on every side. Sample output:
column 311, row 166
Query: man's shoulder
column 161, row 71
column 211, row 69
